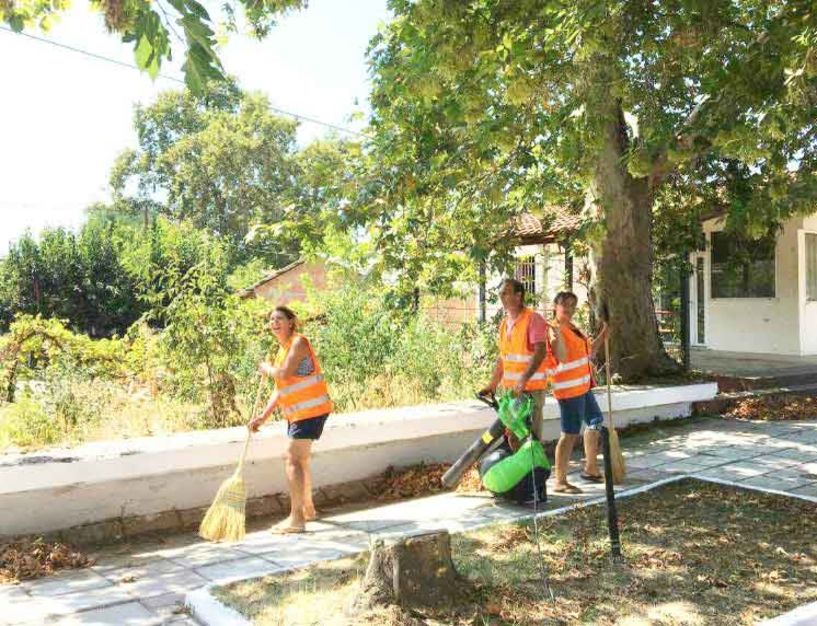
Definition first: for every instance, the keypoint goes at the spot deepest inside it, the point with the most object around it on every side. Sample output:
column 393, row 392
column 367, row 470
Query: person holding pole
column 572, row 384
column 522, row 366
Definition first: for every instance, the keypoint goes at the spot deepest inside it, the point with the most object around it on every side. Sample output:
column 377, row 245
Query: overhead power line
column 99, row 57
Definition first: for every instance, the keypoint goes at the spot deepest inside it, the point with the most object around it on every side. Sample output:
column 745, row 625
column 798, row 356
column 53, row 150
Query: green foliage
column 150, row 26
column 78, row 277
column 37, row 342
column 198, row 368
column 25, row 423
column 219, row 160
column 375, row 355
column 482, row 110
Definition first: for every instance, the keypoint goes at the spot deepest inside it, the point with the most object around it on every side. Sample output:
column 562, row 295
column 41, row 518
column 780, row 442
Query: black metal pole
column 685, row 336
column 612, row 514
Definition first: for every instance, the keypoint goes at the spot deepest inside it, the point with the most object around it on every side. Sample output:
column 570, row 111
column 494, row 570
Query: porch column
column 568, row 265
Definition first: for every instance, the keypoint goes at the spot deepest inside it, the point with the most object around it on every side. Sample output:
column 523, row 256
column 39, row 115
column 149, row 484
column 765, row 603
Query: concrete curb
column 211, row 612
column 805, row 615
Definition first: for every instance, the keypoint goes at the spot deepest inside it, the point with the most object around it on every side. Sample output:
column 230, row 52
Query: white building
column 759, row 297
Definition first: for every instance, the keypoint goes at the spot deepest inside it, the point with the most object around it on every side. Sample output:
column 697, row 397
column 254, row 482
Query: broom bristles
column 616, row 458
column 225, row 520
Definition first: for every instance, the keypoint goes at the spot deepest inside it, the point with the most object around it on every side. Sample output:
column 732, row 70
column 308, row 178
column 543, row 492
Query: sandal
column 567, row 488
column 283, row 528
column 591, row 478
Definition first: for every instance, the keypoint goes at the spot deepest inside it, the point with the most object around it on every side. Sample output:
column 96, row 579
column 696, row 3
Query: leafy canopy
column 154, row 28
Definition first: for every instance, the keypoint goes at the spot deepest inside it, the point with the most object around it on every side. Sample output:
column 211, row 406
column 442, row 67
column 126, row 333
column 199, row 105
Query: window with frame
column 811, row 266
column 525, row 273
column 742, row 268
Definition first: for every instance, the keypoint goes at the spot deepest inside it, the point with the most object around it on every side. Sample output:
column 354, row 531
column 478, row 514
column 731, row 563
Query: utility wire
column 99, row 57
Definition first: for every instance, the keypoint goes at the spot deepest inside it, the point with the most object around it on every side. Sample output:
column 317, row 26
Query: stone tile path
column 145, row 584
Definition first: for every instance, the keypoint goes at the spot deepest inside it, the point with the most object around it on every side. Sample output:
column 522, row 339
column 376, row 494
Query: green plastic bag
column 504, row 475
column 515, row 414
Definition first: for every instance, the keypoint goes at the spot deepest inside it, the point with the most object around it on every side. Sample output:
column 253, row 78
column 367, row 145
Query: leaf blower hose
column 454, row 474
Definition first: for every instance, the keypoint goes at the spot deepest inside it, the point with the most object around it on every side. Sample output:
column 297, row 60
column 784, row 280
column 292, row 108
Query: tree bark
column 413, row 572
column 624, row 257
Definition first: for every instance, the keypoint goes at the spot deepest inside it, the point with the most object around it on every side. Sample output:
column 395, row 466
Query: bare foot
column 310, row 514
column 288, row 527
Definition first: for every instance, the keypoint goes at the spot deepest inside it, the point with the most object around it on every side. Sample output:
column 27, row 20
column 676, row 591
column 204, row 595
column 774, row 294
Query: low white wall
column 64, row 488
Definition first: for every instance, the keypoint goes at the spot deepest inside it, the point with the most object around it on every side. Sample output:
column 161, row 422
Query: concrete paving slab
column 66, row 604
column 203, row 554
column 167, row 607
column 250, row 567
column 170, row 582
column 128, row 614
column 773, row 481
column 648, row 461
column 687, row 466
column 304, row 556
column 148, row 570
column 800, row 452
column 67, row 581
column 807, row 490
column 733, row 453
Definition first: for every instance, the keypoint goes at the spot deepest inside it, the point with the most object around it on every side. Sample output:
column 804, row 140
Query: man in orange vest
column 522, row 365
column 572, row 384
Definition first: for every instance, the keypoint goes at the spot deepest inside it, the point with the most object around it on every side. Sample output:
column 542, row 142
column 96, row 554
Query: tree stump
column 411, row 572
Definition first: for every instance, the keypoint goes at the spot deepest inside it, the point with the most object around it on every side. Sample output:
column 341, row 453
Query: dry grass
column 697, row 554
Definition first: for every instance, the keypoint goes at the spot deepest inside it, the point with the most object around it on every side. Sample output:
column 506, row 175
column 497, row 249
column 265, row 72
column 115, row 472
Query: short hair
column 563, row 296
column 518, row 286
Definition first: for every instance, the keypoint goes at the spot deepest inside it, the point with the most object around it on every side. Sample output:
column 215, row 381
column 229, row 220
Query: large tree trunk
column 623, row 259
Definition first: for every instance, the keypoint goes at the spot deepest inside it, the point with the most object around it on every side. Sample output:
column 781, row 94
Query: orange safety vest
column 516, row 355
column 574, row 377
column 302, row 397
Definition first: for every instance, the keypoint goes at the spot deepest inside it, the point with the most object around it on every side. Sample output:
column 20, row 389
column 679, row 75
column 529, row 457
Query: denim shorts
column 310, row 428
column 580, row 409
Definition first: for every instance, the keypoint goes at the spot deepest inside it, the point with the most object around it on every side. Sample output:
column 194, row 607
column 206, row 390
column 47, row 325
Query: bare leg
column 591, row 452
column 297, row 455
column 564, row 448
column 309, row 507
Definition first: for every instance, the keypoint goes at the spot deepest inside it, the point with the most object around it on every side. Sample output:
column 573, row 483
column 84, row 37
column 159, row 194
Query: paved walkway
column 145, row 584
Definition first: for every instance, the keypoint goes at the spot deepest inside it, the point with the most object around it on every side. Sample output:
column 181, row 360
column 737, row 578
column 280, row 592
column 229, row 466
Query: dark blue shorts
column 310, row 428
column 580, row 409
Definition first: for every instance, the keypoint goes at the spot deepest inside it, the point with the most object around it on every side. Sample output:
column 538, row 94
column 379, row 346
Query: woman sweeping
column 572, row 384
column 302, row 397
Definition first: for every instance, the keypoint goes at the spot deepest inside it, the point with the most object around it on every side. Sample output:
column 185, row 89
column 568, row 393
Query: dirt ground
column 695, row 554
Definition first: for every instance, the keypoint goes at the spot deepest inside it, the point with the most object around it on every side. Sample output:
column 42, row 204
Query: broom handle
column 607, row 376
column 249, row 432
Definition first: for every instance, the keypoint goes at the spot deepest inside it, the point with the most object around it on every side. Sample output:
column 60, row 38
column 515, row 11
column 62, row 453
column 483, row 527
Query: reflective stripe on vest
column 584, row 380
column 306, row 404
column 302, row 397
column 570, row 365
column 536, row 375
column 573, row 377
column 306, row 382
column 516, row 355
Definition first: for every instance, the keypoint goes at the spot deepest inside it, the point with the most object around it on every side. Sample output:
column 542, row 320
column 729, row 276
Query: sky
column 66, row 116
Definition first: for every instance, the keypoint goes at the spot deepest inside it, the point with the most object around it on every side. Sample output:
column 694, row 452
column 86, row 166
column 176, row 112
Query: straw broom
column 616, row 457
column 226, row 518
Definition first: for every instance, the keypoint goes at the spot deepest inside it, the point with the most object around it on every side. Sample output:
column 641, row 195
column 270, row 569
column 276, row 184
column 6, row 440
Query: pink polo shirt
column 537, row 330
